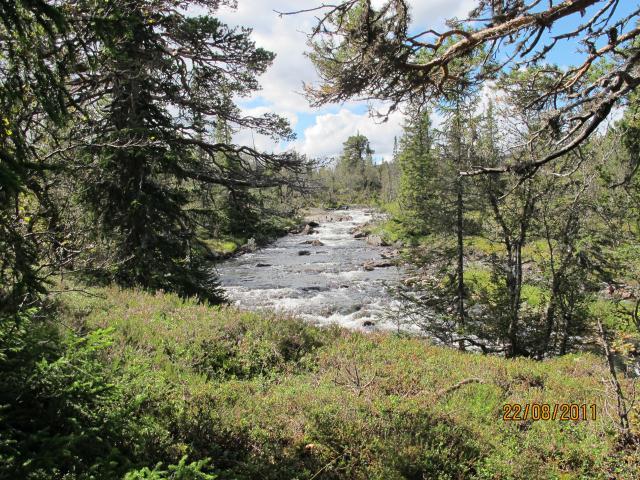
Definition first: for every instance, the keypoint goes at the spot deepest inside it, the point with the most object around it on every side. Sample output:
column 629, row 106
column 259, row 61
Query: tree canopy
column 362, row 51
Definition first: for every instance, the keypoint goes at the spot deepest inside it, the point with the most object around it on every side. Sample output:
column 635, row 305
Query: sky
column 321, row 132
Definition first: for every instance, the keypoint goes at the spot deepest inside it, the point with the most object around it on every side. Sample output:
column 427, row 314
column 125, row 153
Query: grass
column 271, row 397
column 224, row 247
column 482, row 246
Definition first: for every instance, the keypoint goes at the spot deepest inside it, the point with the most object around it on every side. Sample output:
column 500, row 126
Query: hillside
column 269, row 397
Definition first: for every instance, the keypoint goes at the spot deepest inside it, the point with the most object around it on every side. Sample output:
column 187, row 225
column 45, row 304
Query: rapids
column 326, row 285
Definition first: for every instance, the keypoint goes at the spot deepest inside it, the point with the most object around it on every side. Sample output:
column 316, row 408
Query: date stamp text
column 570, row 412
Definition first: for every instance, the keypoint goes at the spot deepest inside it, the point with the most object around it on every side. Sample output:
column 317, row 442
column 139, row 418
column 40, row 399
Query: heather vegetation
column 215, row 391
column 512, row 200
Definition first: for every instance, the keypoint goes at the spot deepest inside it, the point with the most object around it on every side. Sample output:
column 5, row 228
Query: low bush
column 141, row 386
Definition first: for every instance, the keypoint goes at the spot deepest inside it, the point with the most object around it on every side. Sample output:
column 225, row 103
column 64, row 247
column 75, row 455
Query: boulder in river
column 349, row 309
column 249, row 247
column 308, row 229
column 376, row 241
column 304, row 252
column 315, row 243
column 371, row 264
column 360, row 228
column 313, row 224
column 314, row 289
column 368, row 323
column 383, row 264
column 259, row 265
column 359, row 234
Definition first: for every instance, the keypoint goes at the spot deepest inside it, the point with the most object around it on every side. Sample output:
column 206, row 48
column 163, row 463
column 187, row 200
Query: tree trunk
column 550, row 315
column 621, row 404
column 514, row 285
column 460, row 254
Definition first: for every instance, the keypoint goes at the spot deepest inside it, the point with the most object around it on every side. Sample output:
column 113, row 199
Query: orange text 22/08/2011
column 545, row 411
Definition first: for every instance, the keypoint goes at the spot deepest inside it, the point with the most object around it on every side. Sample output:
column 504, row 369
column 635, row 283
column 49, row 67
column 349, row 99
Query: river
column 325, row 284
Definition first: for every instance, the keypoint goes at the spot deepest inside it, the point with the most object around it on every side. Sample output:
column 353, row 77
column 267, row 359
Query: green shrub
column 181, row 471
column 59, row 416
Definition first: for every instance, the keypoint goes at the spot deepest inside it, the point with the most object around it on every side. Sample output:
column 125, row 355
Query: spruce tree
column 417, row 197
column 355, row 171
column 32, row 72
column 154, row 85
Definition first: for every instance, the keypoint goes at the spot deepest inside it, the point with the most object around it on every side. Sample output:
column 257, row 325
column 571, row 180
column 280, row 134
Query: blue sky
column 321, row 132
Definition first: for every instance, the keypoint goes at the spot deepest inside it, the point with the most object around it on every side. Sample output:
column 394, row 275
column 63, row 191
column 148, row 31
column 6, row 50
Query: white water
column 328, row 286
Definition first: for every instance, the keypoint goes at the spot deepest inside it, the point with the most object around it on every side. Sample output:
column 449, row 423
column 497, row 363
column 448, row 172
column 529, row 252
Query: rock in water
column 371, row 264
column 383, row 264
column 315, row 243
column 376, row 241
column 249, row 247
column 368, row 265
column 308, row 230
column 304, row 252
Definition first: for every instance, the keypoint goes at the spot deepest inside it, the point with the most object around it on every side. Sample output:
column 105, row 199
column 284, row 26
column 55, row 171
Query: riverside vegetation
column 517, row 220
column 155, row 379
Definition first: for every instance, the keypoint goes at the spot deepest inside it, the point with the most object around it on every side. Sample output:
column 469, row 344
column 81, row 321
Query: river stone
column 304, row 252
column 368, row 323
column 315, row 243
column 382, row 264
column 313, row 224
column 308, row 230
column 349, row 309
column 249, row 247
column 314, row 289
column 263, row 265
column 376, row 241
column 371, row 264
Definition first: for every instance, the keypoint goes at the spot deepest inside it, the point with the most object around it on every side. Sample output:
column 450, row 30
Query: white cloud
column 431, row 12
column 286, row 36
column 326, row 136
